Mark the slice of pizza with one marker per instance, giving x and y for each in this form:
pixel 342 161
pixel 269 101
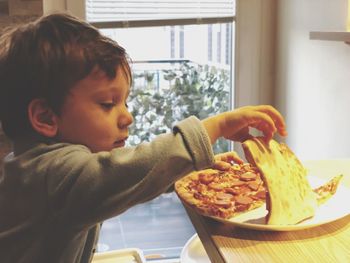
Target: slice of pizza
pixel 326 191
pixel 290 198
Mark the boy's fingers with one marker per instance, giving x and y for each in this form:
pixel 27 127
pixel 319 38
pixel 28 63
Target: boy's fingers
pixel 229 157
pixel 264 123
pixel 234 157
pixel 276 117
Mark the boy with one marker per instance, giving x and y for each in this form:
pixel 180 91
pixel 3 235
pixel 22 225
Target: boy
pixel 63 103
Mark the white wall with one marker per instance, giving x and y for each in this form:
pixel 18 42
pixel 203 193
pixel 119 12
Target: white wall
pixel 313 78
pixel 254 48
pixel 254 71
pixel 75 7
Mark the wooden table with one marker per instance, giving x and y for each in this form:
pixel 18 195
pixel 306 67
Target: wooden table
pixel 326 243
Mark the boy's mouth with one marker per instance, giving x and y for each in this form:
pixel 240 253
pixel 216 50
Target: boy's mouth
pixel 120 143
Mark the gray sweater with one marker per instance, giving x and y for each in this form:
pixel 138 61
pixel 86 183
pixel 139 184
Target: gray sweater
pixel 53 196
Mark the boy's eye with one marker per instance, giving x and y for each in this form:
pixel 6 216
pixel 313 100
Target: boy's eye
pixel 126 105
pixel 107 105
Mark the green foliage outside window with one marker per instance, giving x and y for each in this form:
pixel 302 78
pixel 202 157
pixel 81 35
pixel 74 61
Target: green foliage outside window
pixel 190 89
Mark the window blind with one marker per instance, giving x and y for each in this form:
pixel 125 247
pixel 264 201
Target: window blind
pixel 129 13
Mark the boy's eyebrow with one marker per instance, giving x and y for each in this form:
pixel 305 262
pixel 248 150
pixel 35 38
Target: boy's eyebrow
pixel 111 89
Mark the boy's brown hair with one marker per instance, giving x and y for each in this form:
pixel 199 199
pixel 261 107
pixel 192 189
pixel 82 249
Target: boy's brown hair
pixel 44 59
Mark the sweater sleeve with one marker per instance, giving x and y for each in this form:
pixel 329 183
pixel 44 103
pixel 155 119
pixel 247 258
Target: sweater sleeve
pixel 196 141
pixel 85 188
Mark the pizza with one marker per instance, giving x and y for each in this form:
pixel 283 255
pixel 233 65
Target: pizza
pixel 223 191
pixel 290 198
pixel 326 191
pixel 273 176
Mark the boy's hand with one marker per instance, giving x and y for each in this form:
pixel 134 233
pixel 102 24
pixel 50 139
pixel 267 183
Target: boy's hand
pixel 228 157
pixel 223 161
pixel 234 125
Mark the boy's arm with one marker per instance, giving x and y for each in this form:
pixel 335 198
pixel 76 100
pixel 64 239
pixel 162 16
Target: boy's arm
pixel 87 188
pixel 103 185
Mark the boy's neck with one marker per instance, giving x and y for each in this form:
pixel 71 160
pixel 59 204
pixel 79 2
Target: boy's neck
pixel 24 144
pixel 20 146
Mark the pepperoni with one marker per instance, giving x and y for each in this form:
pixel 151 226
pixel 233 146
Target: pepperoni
pixel 253 185
pixel 223 203
pixel 237 183
pixel 244 190
pixel 240 208
pixel 232 191
pixel 224 196
pixel 206 178
pixel 197 195
pixel 201 188
pixel 261 194
pixel 237 190
pixel 216 186
pixel 248 176
pixel 243 200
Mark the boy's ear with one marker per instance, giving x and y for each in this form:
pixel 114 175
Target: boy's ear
pixel 42 118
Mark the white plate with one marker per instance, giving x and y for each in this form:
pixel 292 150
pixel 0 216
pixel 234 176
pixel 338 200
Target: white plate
pixel 193 251
pixel 127 255
pixel 334 209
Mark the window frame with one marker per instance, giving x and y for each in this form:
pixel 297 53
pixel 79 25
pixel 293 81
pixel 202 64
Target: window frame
pixel 79 6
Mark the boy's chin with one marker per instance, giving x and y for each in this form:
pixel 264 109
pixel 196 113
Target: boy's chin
pixel 96 149
pixel 119 144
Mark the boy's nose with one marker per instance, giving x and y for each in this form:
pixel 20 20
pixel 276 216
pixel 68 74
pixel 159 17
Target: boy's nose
pixel 125 120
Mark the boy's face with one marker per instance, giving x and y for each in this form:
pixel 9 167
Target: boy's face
pixel 95 112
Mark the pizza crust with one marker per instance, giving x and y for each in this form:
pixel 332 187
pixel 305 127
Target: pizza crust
pixel 290 198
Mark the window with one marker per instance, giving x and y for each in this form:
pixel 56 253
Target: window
pixel 182 65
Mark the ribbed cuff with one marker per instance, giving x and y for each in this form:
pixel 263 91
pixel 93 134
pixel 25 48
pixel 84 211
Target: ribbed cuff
pixel 197 142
